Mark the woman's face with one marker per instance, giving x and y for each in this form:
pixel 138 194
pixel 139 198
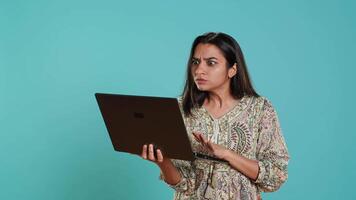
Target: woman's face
pixel 208 68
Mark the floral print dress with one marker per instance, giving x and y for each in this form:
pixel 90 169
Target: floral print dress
pixel 251 129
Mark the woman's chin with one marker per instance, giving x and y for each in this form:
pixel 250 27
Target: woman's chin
pixel 202 89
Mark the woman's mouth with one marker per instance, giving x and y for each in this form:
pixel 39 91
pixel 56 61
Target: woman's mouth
pixel 200 81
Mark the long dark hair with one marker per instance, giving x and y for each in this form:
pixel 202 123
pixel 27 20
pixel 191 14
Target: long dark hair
pixel 240 84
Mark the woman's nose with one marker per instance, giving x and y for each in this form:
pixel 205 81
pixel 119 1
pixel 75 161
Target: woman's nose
pixel 199 69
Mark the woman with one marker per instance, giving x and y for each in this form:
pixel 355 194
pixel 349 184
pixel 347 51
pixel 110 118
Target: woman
pixel 225 118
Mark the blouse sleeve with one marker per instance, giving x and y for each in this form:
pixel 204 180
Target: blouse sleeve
pixel 272 153
pixel 187 182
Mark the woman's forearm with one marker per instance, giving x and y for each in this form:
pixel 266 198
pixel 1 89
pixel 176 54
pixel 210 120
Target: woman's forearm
pixel 170 172
pixel 246 166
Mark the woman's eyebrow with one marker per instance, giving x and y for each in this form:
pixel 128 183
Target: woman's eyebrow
pixel 210 58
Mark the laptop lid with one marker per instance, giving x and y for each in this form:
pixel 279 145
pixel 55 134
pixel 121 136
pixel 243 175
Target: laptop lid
pixel 133 121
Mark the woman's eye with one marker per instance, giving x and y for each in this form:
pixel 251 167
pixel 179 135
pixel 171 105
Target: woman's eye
pixel 195 62
pixel 211 63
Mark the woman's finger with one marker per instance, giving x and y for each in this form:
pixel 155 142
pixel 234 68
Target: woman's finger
pixel 144 152
pixel 202 138
pixel 196 136
pixel 159 156
pixel 150 153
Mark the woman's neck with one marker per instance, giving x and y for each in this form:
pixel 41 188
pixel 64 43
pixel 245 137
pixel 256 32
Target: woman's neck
pixel 220 101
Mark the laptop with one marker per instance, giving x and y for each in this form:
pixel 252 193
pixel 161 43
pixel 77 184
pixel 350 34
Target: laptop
pixel 132 121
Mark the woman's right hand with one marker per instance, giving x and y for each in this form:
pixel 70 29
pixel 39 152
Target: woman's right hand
pixel 148 154
pixel 170 172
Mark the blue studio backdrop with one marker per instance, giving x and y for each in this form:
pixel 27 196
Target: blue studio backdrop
pixel 54 55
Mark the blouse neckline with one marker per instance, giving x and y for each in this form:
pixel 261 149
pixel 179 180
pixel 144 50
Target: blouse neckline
pixel 235 107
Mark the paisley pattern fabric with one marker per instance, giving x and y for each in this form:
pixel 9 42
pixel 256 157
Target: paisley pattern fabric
pixel 251 129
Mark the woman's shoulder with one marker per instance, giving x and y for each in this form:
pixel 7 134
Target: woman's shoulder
pixel 266 106
pixel 180 101
pixel 256 100
pixel 260 102
pixel 180 98
pixel 194 111
pixel 260 99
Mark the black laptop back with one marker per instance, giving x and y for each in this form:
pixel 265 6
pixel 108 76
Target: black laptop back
pixel 133 121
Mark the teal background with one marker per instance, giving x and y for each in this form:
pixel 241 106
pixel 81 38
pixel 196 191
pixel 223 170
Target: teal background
pixel 54 55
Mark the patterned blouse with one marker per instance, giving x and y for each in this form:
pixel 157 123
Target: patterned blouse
pixel 251 129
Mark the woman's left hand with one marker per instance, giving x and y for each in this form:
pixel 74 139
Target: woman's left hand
pixel 215 149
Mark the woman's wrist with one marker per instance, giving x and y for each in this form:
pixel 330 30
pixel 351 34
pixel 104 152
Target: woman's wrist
pixel 229 154
pixel 170 172
pixel 164 163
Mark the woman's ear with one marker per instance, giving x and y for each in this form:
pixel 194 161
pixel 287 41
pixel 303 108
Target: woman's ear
pixel 232 71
